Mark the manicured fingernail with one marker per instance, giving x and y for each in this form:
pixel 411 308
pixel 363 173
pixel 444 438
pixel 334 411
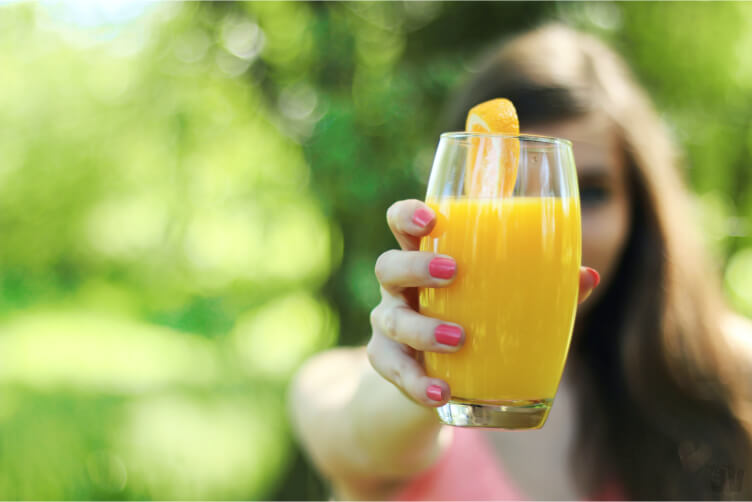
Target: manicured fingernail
pixel 595 276
pixel 448 334
pixel 434 393
pixel 442 268
pixel 422 216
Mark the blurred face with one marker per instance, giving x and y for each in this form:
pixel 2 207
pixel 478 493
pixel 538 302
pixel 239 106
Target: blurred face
pixel 602 177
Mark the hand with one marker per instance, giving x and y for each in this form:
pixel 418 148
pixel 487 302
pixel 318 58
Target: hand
pixel 400 333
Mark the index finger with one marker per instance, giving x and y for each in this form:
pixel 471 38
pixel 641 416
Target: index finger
pixel 409 220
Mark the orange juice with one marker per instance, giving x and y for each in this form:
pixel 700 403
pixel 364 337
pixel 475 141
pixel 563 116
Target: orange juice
pixel 515 294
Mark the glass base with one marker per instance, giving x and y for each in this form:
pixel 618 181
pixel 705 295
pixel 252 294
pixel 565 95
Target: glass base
pixel 518 414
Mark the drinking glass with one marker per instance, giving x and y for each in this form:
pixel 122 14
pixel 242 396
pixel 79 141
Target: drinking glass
pixel 508 212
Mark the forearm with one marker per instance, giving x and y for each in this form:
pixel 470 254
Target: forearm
pixel 360 431
pixel 399 436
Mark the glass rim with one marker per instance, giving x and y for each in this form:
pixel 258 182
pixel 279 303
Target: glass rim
pixel 523 137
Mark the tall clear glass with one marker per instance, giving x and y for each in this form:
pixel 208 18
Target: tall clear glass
pixel 508 212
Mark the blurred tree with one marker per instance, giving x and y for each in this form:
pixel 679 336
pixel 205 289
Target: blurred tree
pixel 162 252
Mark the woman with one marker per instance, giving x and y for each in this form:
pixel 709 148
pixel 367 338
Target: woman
pixel 656 398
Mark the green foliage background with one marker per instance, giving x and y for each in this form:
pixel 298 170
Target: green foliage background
pixel 192 198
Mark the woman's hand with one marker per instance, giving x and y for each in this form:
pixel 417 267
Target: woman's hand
pixel 400 333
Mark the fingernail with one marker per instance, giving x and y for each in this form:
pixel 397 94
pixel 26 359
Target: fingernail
pixel 422 216
pixel 434 393
pixel 595 276
pixel 442 268
pixel 448 334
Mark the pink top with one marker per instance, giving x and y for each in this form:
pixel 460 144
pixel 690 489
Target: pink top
pixel 468 470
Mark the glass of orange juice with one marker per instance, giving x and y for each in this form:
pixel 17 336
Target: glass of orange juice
pixel 508 212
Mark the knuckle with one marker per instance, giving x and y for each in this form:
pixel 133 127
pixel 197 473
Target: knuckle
pixel 382 263
pixel 374 316
pixel 388 322
pixel 391 213
pixel 395 374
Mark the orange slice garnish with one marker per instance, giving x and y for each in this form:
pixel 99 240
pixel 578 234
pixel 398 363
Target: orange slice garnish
pixel 491 169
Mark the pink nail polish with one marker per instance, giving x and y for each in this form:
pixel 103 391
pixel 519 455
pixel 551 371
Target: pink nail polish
pixel 448 334
pixel 434 393
pixel 442 268
pixel 595 275
pixel 422 216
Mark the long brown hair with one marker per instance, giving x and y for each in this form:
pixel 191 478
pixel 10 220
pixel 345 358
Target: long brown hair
pixel 664 404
